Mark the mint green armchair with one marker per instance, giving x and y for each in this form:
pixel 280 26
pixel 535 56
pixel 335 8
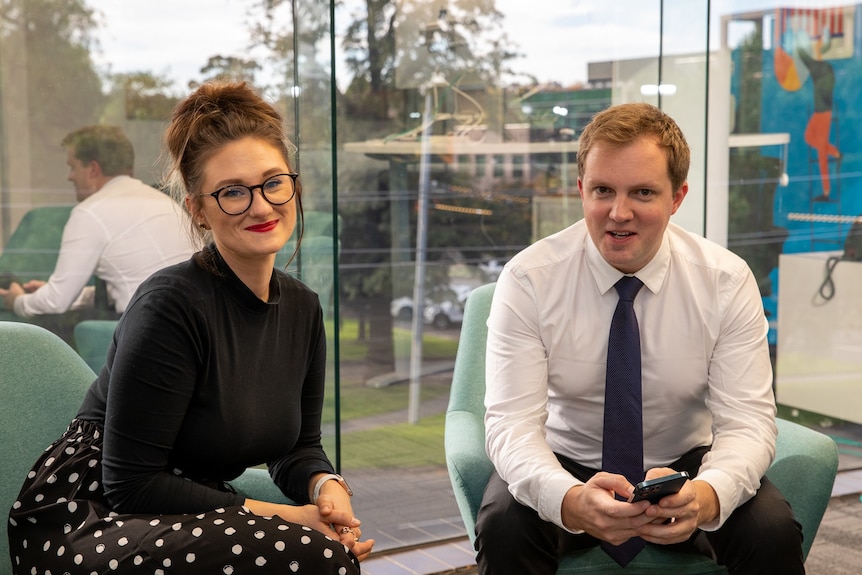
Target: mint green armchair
pixel 801 452
pixel 42 384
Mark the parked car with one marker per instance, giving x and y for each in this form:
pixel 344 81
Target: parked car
pixel 440 314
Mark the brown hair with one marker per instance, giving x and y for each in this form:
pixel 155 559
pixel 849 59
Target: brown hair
pixel 216 114
pixel 622 124
pixel 106 145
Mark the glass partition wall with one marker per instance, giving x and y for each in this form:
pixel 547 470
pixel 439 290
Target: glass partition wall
pixel 437 138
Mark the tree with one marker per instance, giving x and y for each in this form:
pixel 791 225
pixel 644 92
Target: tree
pixel 49 79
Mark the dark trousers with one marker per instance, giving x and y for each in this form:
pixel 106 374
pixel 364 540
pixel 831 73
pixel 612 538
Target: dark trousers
pixel 760 536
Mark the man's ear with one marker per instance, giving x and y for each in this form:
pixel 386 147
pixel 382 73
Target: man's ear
pixel 94 169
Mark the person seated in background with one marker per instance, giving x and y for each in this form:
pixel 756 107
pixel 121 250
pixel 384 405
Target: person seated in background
pixel 582 406
pixel 121 231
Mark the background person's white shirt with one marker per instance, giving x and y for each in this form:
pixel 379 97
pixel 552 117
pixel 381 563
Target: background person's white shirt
pixel 706 373
pixel 122 234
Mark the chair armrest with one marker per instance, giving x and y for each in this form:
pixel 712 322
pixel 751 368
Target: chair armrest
pixel 256 483
pixel 804 469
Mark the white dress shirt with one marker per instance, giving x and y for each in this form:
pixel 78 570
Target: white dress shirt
pixel 706 373
pixel 122 234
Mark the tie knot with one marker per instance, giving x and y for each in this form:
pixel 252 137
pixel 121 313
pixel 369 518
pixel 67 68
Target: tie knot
pixel 628 287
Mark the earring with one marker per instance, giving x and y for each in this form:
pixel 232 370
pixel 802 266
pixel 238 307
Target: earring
pixel 203 226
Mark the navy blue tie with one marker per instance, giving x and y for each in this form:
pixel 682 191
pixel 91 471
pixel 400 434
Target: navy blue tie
pixel 622 441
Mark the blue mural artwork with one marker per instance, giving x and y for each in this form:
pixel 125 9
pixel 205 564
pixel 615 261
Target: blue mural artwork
pixel 811 89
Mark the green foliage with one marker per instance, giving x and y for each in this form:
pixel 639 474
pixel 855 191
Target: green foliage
pixel 49 78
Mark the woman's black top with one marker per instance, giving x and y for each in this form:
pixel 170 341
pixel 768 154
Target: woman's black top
pixel 202 380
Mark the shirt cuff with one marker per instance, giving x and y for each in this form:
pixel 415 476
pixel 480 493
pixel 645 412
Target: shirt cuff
pixel 727 492
pixel 18 306
pixel 551 496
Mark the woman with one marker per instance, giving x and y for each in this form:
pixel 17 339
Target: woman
pixel 216 365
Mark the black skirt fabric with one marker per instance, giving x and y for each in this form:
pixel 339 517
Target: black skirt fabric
pixel 61 523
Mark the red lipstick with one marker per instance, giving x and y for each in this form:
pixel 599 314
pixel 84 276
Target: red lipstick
pixel 265 227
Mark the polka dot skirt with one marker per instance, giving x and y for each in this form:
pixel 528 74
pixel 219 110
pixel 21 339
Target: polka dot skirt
pixel 61 524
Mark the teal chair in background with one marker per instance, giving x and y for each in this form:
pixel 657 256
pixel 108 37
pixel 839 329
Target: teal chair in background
pixel 801 453
pixel 92 339
pixel 42 384
pixel 32 250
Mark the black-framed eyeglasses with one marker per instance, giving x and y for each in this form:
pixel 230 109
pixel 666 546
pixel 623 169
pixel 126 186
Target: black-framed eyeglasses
pixel 236 199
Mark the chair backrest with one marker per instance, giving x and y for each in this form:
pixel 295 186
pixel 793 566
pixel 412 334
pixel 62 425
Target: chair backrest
pixel 464 438
pixel 42 384
pixel 92 339
pixel 33 248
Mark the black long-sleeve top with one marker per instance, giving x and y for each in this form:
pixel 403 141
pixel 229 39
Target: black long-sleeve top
pixel 202 380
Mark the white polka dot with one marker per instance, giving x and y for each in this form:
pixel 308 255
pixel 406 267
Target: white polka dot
pixel 160 542
pixel 16 505
pixel 251 521
pixel 154 522
pixel 259 534
pixel 49 462
pixel 327 553
pixel 176 526
pixel 280 546
pixel 67 528
pixel 197 532
pixel 39 498
pixel 92 463
pixel 60 551
pixel 78 559
pixel 201 516
pixel 73 478
pixel 72 507
pixel 237 549
pixel 227 570
pixel 220 510
pixel 229 531
pixel 167 562
pixel 70 450
pixel 46 546
pixel 113 564
pixel 138 560
pixel 283 527
pixel 61 500
pixel 158 572
pixel 190 557
pixel 123 541
pixel 97 533
pixel 93 486
pixel 306 528
pixel 294 566
pixel 31 475
pixel 118 523
pixel 100 548
pixel 305 539
pixel 342 571
pixel 260 561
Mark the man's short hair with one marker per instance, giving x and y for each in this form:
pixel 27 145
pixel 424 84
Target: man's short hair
pixel 624 123
pixel 107 145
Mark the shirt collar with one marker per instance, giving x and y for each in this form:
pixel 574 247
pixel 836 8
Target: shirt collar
pixel 652 275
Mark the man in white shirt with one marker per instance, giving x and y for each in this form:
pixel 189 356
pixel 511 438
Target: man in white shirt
pixel 706 380
pixel 121 231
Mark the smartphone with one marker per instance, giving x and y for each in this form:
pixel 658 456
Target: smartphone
pixel 6 279
pixel 654 489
